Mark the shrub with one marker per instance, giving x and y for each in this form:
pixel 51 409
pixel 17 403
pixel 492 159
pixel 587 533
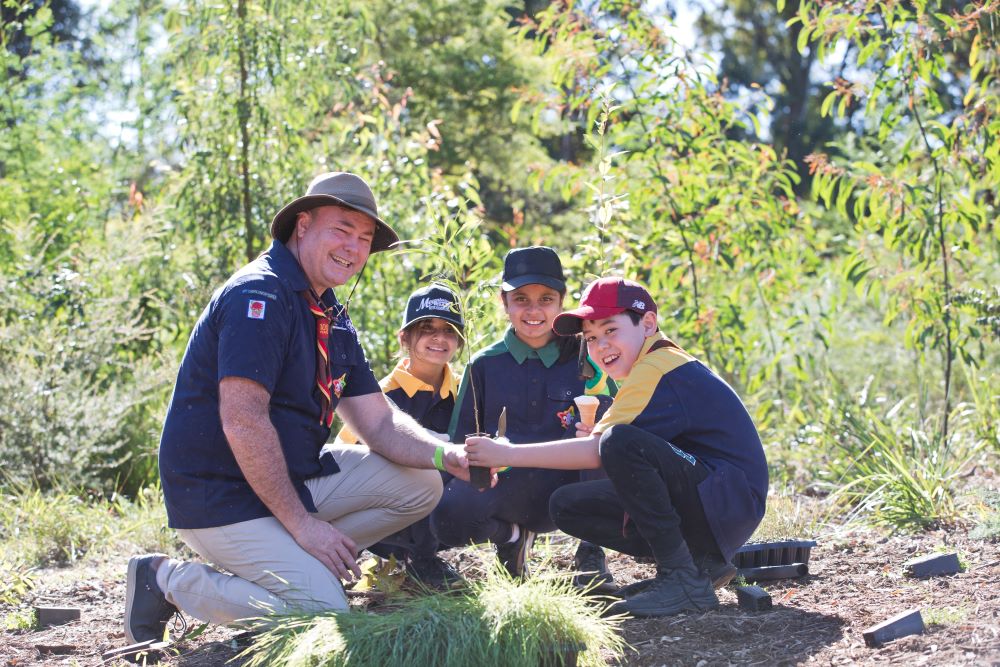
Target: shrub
pixel 79 380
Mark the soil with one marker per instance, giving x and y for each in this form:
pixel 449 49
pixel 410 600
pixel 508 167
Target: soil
pixel 855 580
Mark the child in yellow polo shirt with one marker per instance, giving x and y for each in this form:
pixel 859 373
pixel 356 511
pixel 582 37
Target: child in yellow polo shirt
pixel 423 386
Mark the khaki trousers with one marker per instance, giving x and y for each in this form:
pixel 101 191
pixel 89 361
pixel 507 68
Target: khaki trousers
pixel 268 572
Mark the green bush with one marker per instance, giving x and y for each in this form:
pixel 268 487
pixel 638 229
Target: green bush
pixel 80 380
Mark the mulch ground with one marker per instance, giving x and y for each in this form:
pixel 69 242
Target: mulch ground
pixel 855 580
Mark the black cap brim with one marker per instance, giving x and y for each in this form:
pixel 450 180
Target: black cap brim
pixel 534 279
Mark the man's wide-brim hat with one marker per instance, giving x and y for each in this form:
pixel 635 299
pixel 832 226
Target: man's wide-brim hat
pixel 335 188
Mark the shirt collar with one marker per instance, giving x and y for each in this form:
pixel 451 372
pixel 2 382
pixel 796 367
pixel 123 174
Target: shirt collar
pixel 288 269
pixel 646 344
pixel 411 384
pixel 521 351
pixel 650 341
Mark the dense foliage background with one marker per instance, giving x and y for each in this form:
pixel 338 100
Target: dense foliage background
pixel 809 189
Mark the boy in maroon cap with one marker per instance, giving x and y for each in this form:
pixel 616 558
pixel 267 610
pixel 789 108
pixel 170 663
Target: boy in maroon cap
pixel 687 476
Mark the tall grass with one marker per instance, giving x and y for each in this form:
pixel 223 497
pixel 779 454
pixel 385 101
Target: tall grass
pixel 896 470
pixel 45 528
pixel 497 622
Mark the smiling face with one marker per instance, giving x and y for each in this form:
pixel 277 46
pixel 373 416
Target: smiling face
pixel 430 344
pixel 531 309
pixel 615 343
pixel 331 244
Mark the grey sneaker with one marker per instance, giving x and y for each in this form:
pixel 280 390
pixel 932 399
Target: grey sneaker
pixel 670 592
pixel 592 570
pixel 146 608
pixel 514 555
pixel 434 572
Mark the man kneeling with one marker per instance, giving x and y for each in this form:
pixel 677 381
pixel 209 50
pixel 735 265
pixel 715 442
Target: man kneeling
pixel 246 483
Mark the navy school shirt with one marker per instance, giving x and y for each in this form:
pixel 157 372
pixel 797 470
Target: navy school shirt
pixel 535 386
pixel 257 326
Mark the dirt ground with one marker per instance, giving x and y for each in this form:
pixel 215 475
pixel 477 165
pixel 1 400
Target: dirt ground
pixel 855 580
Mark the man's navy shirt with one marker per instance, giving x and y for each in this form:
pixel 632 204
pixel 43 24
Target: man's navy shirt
pixel 257 326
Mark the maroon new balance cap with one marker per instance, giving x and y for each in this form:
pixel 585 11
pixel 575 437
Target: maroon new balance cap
pixel 604 298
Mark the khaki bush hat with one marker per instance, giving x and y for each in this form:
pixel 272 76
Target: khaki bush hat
pixel 335 188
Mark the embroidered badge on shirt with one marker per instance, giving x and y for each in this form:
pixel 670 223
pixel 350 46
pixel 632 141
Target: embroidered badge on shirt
pixel 567 417
pixel 255 311
pixel 339 385
pixel 343 322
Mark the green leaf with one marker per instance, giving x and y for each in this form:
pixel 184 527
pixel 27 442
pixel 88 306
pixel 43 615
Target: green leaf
pixel 803 41
pixel 867 50
pixel 828 101
pixel 515 110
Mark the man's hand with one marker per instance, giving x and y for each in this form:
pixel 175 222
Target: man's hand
pixel 487 452
pixel 243 407
pixel 329 546
pixel 456 462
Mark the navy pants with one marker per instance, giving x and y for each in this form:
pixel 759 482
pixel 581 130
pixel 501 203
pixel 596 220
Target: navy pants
pixel 466 515
pixel 652 482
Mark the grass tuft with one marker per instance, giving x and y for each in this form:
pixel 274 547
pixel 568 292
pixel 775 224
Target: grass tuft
pixel 897 474
pixel 16 580
pixel 498 621
pixel 988 527
pixel 788 518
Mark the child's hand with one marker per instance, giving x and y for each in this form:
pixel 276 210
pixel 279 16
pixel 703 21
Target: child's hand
pixel 583 431
pixel 487 452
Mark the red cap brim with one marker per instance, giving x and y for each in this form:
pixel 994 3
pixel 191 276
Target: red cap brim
pixel 570 323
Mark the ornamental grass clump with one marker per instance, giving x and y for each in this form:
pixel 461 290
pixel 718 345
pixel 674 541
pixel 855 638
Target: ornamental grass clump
pixel 498 621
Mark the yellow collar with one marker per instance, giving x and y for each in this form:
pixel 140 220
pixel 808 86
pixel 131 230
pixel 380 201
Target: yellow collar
pixel 411 384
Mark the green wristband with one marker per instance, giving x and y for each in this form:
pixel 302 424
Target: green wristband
pixel 439 458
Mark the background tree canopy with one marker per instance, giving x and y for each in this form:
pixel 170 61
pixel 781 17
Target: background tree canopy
pixel 810 191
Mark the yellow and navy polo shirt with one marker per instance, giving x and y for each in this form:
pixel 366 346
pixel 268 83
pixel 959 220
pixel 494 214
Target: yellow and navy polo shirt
pixel 674 396
pixel 416 398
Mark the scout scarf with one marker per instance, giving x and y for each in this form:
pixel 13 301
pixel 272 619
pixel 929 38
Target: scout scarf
pixel 324 381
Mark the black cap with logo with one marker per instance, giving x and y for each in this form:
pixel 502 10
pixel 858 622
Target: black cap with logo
pixel 433 301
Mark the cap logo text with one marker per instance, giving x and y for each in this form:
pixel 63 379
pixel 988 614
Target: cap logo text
pixel 638 305
pixel 434 304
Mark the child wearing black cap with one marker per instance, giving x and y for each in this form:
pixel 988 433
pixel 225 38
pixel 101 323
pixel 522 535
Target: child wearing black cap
pixel 534 376
pixel 423 386
pixel 687 477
